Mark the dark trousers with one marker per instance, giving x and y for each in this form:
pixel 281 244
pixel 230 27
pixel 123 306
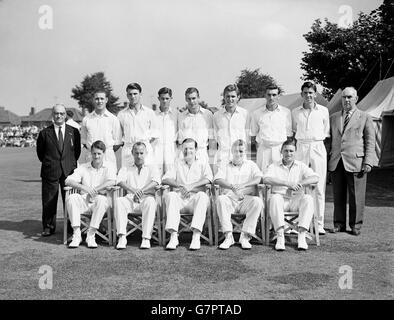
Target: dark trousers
pixel 50 193
pixel 354 183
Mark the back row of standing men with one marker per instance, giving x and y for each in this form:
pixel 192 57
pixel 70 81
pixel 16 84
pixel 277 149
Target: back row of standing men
pixel 164 130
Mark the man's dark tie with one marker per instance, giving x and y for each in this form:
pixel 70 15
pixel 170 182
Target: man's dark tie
pixel 60 139
pixel 347 118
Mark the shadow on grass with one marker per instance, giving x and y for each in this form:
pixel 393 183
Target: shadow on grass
pixel 31 229
pixel 29 180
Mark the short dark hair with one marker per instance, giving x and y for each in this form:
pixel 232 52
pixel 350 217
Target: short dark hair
pixel 70 113
pixel 187 140
pixel 137 144
pixel 231 87
pixel 272 87
pixel 98 145
pixel 289 142
pixel 165 90
pixel 309 84
pixel 100 91
pixel 191 90
pixel 134 86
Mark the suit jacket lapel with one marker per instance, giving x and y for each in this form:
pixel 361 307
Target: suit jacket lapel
pixel 68 135
pixel 52 135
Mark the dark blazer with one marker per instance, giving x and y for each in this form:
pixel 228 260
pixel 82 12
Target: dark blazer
pixel 356 145
pixel 54 161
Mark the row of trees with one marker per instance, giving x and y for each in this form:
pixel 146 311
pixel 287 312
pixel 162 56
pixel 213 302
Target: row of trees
pixel 359 55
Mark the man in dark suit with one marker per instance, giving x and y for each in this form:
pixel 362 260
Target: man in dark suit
pixel 350 159
pixel 58 148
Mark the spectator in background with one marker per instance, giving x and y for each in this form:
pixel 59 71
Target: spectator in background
pixel 70 121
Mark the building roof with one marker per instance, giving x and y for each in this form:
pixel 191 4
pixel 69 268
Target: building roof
pixel 45 115
pixel 9 117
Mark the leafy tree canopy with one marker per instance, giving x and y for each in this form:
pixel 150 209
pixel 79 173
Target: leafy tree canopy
pixel 357 56
pixel 252 83
pixel 84 92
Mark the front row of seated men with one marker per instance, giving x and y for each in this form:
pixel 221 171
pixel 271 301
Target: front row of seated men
pixel 187 179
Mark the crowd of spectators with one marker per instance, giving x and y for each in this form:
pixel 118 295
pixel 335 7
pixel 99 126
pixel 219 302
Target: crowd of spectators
pixel 17 136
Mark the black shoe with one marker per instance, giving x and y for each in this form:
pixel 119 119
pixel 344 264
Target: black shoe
pixel 355 232
pixel 47 232
pixel 338 229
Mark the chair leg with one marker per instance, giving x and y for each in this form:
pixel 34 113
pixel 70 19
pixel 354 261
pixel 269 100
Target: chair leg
pixel 65 220
pixel 158 223
pixel 316 231
pixel 109 226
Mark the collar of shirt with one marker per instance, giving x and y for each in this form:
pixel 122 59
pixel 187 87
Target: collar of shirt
pixel 63 127
pixel 236 110
pixel 295 164
pixel 201 110
pixel 313 108
pixel 169 111
pixel 104 114
pixel 350 112
pixel 105 165
pixel 277 109
pixel 131 110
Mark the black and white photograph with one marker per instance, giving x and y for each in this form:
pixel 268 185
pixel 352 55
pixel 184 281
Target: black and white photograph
pixel 195 157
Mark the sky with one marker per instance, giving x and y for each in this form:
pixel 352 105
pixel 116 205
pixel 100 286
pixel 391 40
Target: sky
pixel 157 43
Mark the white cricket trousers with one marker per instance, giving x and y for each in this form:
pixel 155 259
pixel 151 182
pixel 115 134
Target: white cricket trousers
pixel 251 206
pixel 77 204
pixel 314 154
pixel 267 155
pixel 125 205
pixel 197 203
pixel 303 203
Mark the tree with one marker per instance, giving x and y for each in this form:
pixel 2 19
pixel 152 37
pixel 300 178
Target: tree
pixel 357 56
pixel 85 91
pixel 252 83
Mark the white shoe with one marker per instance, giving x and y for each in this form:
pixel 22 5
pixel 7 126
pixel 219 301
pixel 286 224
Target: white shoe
pixel 173 242
pixel 122 243
pixel 195 244
pixel 227 243
pixel 76 240
pixel 302 245
pixel 91 241
pixel 280 242
pixel 145 244
pixel 244 241
pixel 321 230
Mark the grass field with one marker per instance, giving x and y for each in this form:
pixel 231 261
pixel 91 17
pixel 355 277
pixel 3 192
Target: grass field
pixel 261 273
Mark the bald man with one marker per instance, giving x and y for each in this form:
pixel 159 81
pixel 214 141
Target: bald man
pixel 58 149
pixel 350 159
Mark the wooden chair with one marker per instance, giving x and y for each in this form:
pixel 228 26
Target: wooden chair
pixel 237 218
pixel 185 220
pixel 134 219
pixel 105 230
pixel 291 225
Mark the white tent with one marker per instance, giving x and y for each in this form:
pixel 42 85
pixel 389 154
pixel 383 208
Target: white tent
pixel 335 103
pixel 379 103
pixel 290 101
